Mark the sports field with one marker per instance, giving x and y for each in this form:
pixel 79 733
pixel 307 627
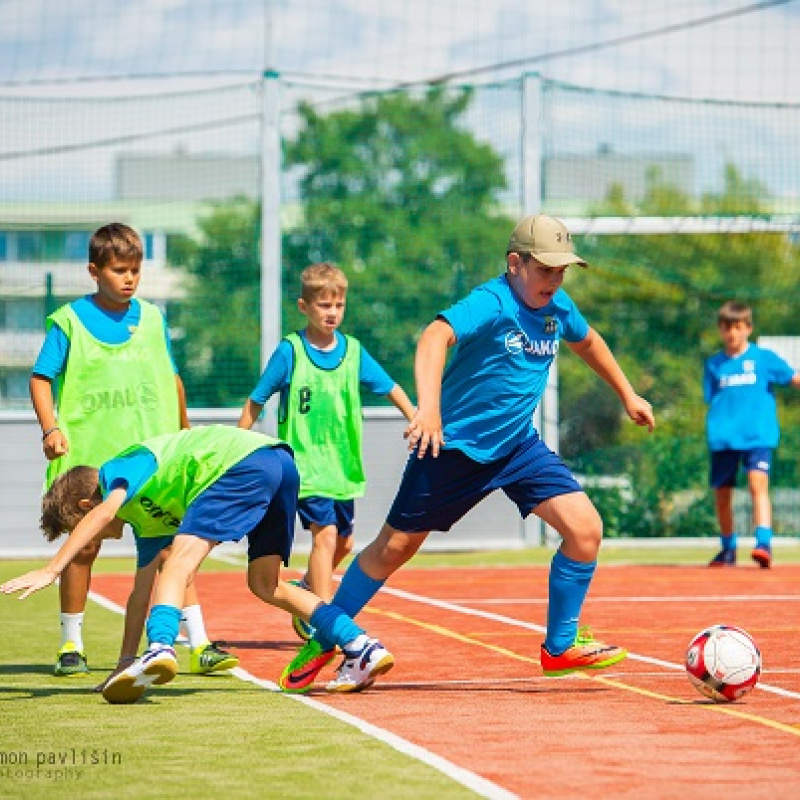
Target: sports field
pixel 465 712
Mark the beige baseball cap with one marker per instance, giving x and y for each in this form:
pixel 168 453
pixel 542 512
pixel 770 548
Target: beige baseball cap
pixel 546 239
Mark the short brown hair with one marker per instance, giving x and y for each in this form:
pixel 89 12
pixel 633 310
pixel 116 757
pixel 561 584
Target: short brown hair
pixel 322 278
pixel 61 510
pixel 115 241
pixel 734 311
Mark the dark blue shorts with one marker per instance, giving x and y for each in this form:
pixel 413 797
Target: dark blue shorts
pixel 324 511
pixel 148 547
pixel 725 464
pixel 256 498
pixel 436 492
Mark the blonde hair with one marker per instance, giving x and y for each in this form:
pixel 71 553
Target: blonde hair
pixel 115 241
pixel 61 510
pixel 733 311
pixel 322 278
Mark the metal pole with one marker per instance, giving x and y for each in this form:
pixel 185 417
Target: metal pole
pixel 532 529
pixel 271 324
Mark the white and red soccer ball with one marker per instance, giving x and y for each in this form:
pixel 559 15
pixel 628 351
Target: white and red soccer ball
pixel 723 663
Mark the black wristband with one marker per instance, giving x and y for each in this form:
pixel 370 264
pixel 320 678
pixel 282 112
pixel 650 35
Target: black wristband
pixel 49 431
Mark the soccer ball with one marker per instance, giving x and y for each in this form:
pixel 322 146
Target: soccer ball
pixel 723 663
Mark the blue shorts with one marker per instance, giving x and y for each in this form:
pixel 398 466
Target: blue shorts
pixel 148 547
pixel 436 492
pixel 257 498
pixel 725 464
pixel 324 511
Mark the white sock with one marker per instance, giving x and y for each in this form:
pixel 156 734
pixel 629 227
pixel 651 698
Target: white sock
pixel 71 630
pixel 192 619
pixel 358 644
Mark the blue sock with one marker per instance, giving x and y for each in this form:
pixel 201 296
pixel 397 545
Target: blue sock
pixel 163 624
pixel 763 537
pixel 728 542
pixel 354 592
pixel 332 626
pixel 568 584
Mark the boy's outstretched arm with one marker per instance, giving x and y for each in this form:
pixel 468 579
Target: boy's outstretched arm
pixel 425 428
pixel 92 526
pixel 401 401
pixel 595 352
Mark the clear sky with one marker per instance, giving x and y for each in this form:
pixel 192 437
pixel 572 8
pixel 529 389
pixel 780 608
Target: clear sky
pixel 730 49
pixel 82 81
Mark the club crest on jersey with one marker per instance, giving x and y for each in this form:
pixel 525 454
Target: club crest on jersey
pixel 550 325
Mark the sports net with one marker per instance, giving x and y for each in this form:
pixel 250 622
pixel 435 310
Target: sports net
pixel 678 204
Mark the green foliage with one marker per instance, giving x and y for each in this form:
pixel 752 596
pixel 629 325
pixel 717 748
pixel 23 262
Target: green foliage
pixel 403 199
pixel 655 300
pixel 218 352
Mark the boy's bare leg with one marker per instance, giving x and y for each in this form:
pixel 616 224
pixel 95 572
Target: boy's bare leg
pixel 321 560
pixel 723 505
pixel 723 501
pixel 758 483
pixel 390 549
pixel 73 592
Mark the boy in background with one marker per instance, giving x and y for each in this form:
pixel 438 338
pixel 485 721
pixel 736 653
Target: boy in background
pixel 473 434
pixel 106 368
pixel 210 484
pixel 742 427
pixel 319 373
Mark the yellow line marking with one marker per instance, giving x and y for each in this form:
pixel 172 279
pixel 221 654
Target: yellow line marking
pixel 715 707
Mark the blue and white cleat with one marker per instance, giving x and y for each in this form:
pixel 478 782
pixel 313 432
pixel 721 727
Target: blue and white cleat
pixel 157 665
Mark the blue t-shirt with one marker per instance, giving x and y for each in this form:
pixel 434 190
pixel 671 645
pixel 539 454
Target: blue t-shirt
pixel 110 327
pixel 742 413
pixel 277 374
pixel 132 471
pixel 498 370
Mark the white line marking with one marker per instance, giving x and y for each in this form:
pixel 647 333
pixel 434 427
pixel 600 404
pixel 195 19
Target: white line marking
pixel 481 786
pixel 728 598
pixel 476 783
pixel 531 626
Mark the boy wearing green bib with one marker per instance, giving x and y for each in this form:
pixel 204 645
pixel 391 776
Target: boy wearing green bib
pixel 107 368
pixel 190 491
pixel 319 373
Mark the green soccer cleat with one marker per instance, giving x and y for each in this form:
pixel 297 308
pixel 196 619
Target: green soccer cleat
pixel 210 658
pixel 586 653
pixel 70 662
pixel 305 666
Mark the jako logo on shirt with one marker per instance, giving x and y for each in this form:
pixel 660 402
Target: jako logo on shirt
pixel 156 512
pixel 143 395
pixel 517 342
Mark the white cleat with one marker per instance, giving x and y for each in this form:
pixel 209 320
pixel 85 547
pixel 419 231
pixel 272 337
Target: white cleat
pixel 359 669
pixel 157 665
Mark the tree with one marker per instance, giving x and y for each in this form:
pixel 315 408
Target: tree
pixel 395 191
pixel 655 299
pixel 404 199
pixel 218 351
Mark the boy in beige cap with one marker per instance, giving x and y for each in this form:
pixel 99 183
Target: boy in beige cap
pixel 473 433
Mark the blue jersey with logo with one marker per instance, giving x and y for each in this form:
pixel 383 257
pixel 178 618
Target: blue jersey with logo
pixel 499 366
pixel 742 414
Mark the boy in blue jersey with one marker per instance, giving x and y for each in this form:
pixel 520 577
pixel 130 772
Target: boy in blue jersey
pixel 190 490
pixel 742 427
pixel 106 367
pixel 319 373
pixel 473 434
